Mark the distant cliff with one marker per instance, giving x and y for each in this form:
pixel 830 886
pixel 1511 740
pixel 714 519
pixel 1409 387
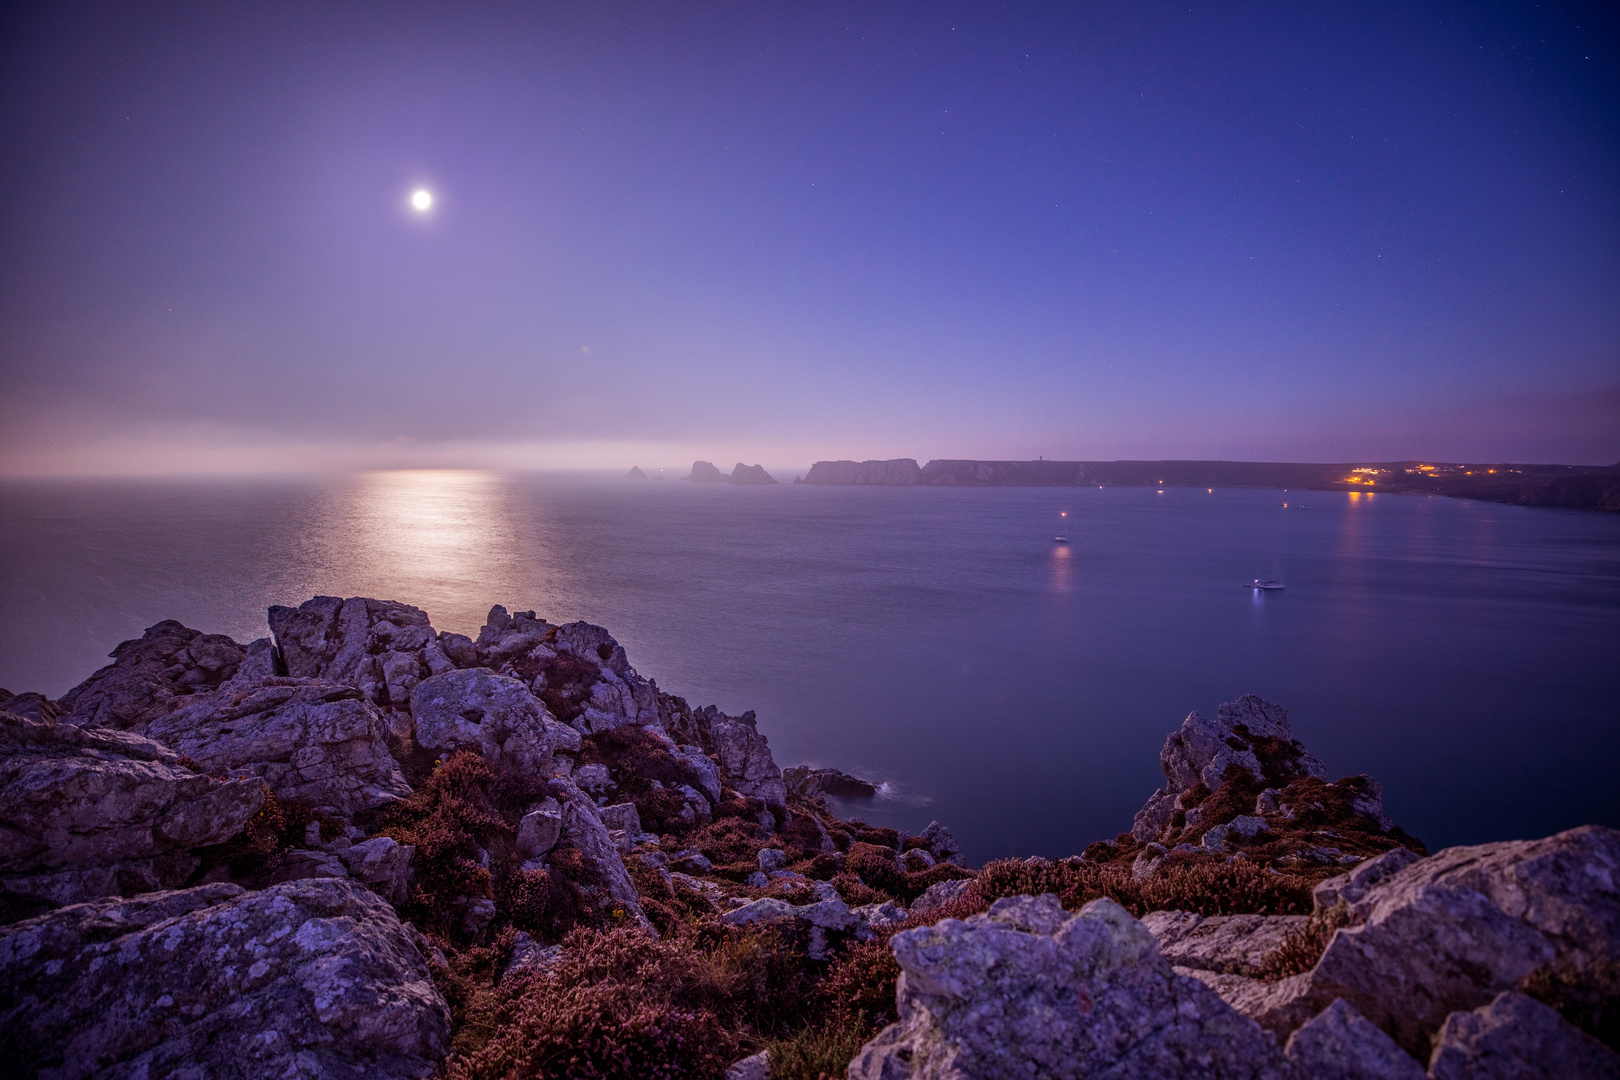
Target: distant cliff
pixel 1574 486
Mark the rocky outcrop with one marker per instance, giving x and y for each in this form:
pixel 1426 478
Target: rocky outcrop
pixel 492 715
pixel 750 474
pixel 704 472
pixel 1340 1044
pixel 30 706
pixel 581 827
pixel 380 647
pixel 1242 782
pixel 152 675
pixel 309 978
pixel 90 812
pixel 309 740
pixel 896 472
pixel 1031 990
pixel 745 757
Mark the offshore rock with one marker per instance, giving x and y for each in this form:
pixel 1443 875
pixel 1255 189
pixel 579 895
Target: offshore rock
pixel 704 472
pixel 88 812
pixel 311 741
pixel 808 782
pixel 894 472
pixel 1030 990
pixel 309 978
pixel 152 675
pixel 1339 1044
pixel 1518 1038
pixel 475 709
pixel 750 474
pixel 380 647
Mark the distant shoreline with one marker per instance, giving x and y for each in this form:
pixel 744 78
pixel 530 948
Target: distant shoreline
pixel 1572 486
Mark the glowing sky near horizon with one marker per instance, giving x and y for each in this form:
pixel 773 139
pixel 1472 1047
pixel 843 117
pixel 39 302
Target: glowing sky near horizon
pixel 784 232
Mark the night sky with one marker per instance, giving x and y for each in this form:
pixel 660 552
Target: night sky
pixel 782 232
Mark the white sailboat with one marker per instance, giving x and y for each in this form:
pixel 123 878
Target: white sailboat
pixel 1062 537
pixel 1274 582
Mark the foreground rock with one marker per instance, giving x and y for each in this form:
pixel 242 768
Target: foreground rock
pixel 309 740
pixel 1030 990
pixel 313 978
pixel 1516 1038
pixel 1449 933
pixel 380 647
pixel 492 715
pixel 90 812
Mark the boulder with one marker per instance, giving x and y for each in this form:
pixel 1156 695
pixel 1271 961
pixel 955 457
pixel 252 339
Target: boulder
pixel 308 978
pixel 89 812
pixel 1351 888
pixel 152 675
pixel 1029 990
pixel 492 715
pixel 1518 1038
pixel 754 1067
pixel 309 740
pixel 942 843
pixel 622 817
pixel 938 895
pixel 540 829
pixel 383 863
pixel 380 647
pixel 821 918
pixel 1230 944
pixel 1339 1044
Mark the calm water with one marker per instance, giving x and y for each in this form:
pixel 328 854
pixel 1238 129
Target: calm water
pixel 1464 653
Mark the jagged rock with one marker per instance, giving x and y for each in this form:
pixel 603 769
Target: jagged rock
pixel 300 863
pixel 704 472
pixel 1243 825
pixel 311 741
pixel 694 861
pixel 1231 944
pixel 384 864
pixel 808 782
pixel 938 895
pixel 152 675
pixel 380 647
pixel 1154 817
pixel 88 812
pixel 750 474
pixel 528 955
pixel 506 637
pixel 1518 1038
pixel 623 817
pixel 593 778
pixel 772 859
pixel 942 843
pixel 31 706
pixel 475 709
pixel 703 769
pixel 1148 861
pixel 540 829
pixel 871 918
pixel 754 1067
pixel 1353 887
pixel 745 757
pixel 309 978
pixel 582 827
pixel 1204 749
pixel 1339 1044
pixel 1451 931
pixel 458 648
pixel 1029 990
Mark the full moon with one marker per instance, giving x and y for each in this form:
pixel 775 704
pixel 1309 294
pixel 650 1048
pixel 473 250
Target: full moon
pixel 422 199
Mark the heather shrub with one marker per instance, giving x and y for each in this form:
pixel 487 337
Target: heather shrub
pixel 277 825
pixel 1302 948
pixel 816 1052
pixel 730 840
pixel 800 837
pixel 856 892
pixel 1195 883
pixel 449 818
pixel 877 867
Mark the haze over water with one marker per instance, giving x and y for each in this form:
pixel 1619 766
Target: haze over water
pixel 934 638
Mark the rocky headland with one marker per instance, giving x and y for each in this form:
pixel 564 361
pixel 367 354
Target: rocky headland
pixel 364 847
pixel 705 472
pixel 1571 486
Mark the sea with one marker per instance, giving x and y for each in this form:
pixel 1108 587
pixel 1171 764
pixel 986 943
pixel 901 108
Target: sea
pixel 936 640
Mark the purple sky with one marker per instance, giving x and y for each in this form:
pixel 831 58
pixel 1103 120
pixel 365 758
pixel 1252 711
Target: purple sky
pixel 782 232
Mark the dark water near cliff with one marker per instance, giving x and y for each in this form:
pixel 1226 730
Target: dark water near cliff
pixel 1466 654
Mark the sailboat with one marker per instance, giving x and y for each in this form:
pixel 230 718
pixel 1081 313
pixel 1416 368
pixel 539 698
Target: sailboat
pixel 1275 581
pixel 1062 537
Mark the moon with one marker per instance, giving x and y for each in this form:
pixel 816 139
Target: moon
pixel 422 200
